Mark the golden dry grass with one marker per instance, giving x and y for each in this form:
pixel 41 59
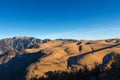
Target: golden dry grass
pixel 58 52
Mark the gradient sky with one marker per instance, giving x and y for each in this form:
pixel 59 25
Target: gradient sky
pixel 76 19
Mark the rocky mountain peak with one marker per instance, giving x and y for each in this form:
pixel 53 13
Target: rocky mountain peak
pixel 18 43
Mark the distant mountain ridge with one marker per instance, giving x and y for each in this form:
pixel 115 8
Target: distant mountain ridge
pixel 22 42
pixel 17 43
pixel 29 58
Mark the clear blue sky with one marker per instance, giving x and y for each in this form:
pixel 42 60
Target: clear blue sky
pixel 79 19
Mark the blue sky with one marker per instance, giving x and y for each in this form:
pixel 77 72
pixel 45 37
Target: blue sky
pixel 76 19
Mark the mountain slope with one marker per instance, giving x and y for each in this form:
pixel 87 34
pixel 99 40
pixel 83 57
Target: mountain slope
pixel 17 43
pixel 66 56
pixel 38 59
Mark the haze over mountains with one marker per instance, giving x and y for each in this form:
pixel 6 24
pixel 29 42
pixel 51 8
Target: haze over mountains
pixel 26 58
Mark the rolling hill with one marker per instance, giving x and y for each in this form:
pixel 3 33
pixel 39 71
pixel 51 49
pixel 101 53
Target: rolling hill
pixel 26 58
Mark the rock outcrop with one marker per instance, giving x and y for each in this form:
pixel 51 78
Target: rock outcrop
pixel 17 43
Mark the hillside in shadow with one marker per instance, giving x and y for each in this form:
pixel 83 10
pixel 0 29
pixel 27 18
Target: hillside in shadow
pixel 16 67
